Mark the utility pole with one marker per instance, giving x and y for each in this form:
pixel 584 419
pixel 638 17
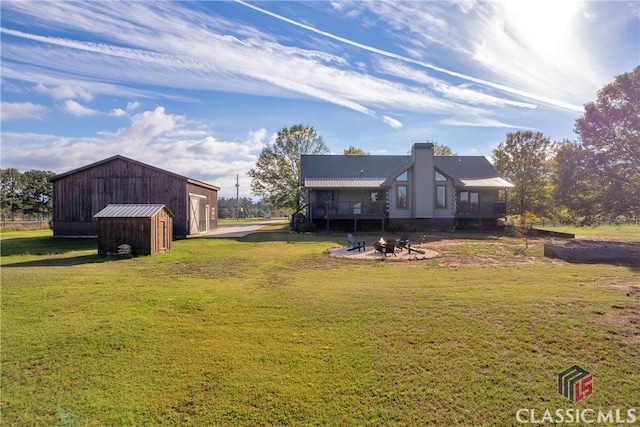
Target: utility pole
pixel 237 198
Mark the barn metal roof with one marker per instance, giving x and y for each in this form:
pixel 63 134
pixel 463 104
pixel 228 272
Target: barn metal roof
pixel 130 211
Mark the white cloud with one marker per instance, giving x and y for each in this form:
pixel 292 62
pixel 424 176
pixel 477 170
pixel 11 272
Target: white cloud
pixel 132 106
pixel 480 122
pixel 118 112
pixel 217 57
pixel 21 110
pixel 74 108
pixel 64 92
pixel 153 137
pixel 490 33
pixel 392 122
pixel 149 124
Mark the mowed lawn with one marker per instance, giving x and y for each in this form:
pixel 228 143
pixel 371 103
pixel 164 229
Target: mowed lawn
pixel 269 330
pixel 622 233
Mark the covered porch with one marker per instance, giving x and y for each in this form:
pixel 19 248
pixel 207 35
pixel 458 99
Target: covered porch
pixel 351 202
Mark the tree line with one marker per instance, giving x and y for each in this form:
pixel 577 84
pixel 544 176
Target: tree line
pixel 245 207
pixel 28 193
pixel 595 178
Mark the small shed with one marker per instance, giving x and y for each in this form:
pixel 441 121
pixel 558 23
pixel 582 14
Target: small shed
pixel 147 228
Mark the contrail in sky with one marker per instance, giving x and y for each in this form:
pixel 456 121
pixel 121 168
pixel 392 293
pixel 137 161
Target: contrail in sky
pixel 543 99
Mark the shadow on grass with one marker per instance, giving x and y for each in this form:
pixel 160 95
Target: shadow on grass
pixel 45 245
pixel 60 262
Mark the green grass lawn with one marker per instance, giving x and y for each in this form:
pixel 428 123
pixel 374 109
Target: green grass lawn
pixel 606 232
pixel 268 330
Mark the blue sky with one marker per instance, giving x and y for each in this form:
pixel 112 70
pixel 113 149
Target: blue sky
pixel 199 88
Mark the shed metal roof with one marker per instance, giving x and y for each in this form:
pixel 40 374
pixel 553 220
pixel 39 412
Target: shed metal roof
pixel 130 211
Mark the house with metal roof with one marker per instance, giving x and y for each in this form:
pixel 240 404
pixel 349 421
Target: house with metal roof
pixel 421 190
pixel 78 195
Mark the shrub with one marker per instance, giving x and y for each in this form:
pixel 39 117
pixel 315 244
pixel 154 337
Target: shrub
pixel 307 227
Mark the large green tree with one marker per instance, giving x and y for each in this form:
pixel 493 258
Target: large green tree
pixel 525 160
pixel 599 176
pixel 276 176
pixel 37 193
pixel 29 192
pixel 11 191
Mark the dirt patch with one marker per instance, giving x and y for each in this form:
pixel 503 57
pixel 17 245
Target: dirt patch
pixel 628 316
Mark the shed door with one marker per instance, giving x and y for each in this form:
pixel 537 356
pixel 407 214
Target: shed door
pixel 163 237
pixel 194 216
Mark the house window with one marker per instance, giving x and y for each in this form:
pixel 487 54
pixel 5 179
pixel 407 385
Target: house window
pixel 323 198
pixel 440 177
pixel 469 202
pixel 375 196
pixel 401 201
pixel 403 177
pixel 441 196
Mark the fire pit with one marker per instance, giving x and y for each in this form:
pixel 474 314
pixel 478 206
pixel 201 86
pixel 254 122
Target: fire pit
pixel 385 247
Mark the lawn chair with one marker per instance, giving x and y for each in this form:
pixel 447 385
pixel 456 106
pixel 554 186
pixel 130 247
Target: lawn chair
pixel 354 243
pixel 404 241
pixel 404 244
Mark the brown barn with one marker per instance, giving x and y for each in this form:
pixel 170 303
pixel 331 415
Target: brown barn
pixel 81 193
pixel 146 228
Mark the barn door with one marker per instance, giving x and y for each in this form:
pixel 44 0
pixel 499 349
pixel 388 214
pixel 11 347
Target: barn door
pixel 206 215
pixel 194 215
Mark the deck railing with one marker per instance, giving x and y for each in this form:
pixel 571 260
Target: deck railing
pixel 348 209
pixel 481 210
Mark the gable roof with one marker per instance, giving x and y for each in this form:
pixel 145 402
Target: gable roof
pixel 471 171
pixel 346 171
pixel 347 166
pixel 131 211
pixel 126 159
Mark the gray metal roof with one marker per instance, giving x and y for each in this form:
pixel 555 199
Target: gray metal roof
pixel 347 171
pixel 497 182
pixel 130 211
pixel 470 167
pixel 348 167
pixel 343 182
